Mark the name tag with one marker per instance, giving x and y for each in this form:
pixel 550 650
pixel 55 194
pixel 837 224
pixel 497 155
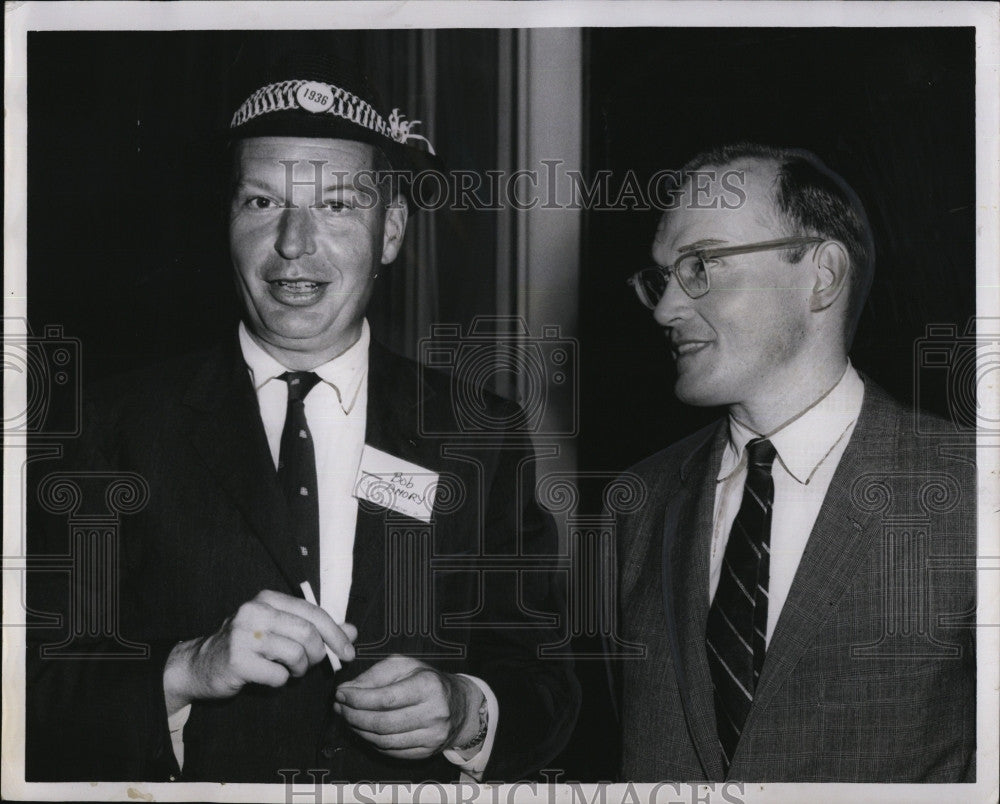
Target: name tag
pixel 391 482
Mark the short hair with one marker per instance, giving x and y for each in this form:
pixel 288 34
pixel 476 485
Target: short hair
pixel 382 167
pixel 812 200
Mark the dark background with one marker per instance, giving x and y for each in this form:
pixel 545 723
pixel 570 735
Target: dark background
pixel 126 225
pixel 126 246
pixel 890 110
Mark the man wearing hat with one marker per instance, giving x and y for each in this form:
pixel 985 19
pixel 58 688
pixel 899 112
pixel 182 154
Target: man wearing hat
pixel 281 572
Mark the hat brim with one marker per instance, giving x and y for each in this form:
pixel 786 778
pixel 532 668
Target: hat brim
pixel 405 160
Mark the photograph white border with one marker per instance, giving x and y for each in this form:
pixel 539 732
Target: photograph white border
pixel 36 16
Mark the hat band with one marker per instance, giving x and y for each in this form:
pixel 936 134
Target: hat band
pixel 317 97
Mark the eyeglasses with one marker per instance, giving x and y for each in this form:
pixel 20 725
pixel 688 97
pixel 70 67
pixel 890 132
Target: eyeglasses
pixel 691 269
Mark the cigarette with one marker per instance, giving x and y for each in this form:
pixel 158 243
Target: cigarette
pixel 307 592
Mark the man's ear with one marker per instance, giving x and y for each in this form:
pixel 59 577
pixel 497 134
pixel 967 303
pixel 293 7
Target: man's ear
pixel 833 271
pixel 396 215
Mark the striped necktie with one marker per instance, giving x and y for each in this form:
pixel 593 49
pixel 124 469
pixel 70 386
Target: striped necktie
pixel 297 473
pixel 737 620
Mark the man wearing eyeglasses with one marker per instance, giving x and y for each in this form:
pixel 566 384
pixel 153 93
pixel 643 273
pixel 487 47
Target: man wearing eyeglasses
pixel 778 575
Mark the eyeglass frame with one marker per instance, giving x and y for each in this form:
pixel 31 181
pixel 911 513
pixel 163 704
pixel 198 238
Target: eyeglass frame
pixel 668 271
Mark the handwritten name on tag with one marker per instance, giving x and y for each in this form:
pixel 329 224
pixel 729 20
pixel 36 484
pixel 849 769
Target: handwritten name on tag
pixel 391 482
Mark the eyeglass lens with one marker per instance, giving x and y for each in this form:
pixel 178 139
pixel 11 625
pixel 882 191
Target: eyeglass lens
pixel 691 274
pixel 651 286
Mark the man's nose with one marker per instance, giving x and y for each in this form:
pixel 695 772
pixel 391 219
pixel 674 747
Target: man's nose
pixel 297 233
pixel 673 305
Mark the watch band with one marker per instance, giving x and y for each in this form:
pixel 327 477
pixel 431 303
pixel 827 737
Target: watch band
pixel 484 727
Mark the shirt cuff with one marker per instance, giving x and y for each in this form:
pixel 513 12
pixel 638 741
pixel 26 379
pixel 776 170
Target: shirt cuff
pixel 176 723
pixel 473 767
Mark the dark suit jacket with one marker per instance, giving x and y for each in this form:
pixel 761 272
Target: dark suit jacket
pixel 212 535
pixel 870 672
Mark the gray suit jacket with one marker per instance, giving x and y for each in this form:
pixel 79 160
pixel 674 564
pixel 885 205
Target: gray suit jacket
pixel 870 673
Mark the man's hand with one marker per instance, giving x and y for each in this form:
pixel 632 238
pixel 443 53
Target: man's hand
pixel 270 639
pixel 409 710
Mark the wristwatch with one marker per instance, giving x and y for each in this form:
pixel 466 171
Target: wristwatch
pixel 484 726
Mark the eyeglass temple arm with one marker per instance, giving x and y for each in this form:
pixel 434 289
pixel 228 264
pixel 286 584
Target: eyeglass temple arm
pixel 725 251
pixel 767 245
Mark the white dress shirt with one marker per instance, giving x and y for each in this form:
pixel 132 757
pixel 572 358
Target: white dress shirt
pixel 336 410
pixel 809 448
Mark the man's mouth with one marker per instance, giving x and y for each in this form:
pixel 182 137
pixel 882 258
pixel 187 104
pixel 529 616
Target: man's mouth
pixel 684 348
pixel 296 292
pixel 296 285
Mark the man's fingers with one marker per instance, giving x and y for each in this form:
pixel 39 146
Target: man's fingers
pixel 334 636
pixel 409 753
pixel 383 673
pixel 398 695
pixel 258 670
pixel 288 652
pixel 268 640
pixel 293 627
pixel 330 632
pixel 419 739
pixel 396 721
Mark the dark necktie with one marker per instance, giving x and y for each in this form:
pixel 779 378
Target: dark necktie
pixel 297 473
pixel 737 619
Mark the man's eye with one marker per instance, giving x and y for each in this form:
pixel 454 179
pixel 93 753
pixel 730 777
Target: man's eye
pixel 337 205
pixel 260 202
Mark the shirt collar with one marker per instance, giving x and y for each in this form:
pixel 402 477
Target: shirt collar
pixel 344 373
pixel 803 443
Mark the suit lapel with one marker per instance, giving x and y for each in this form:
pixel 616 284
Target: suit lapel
pixel 394 387
pixel 226 430
pixel 687 538
pixel 840 540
